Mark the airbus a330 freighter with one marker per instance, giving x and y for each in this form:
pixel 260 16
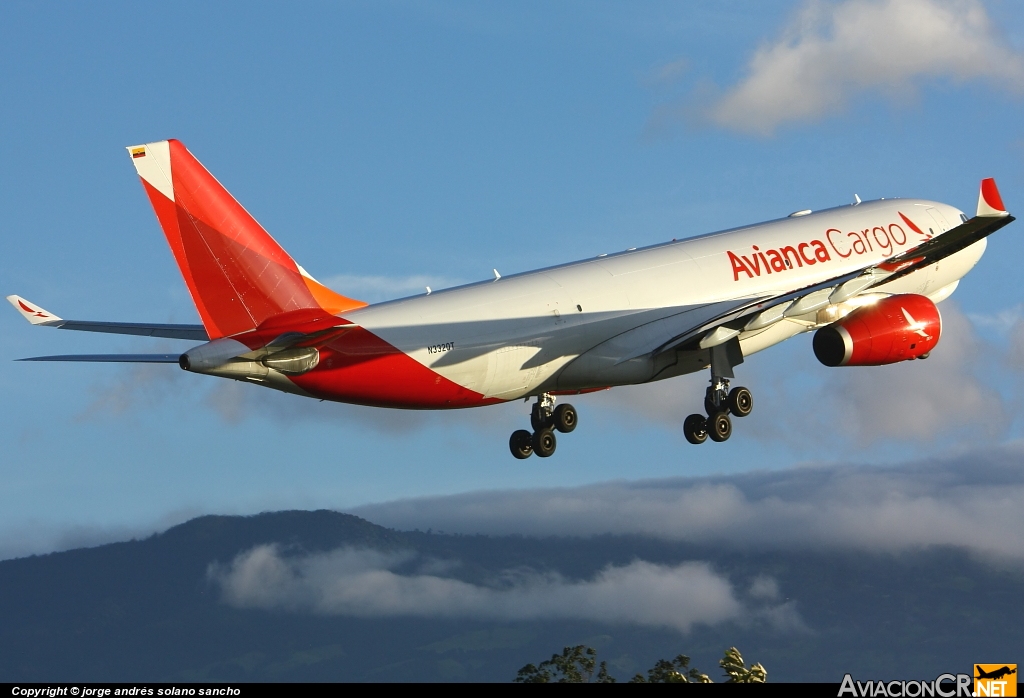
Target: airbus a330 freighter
pixel 865 277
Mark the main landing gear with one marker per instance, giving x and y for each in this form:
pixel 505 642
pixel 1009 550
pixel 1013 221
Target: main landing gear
pixel 545 420
pixel 719 403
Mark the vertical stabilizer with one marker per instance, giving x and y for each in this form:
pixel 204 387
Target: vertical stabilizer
pixel 236 272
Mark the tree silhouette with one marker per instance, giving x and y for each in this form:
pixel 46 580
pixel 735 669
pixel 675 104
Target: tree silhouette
pixel 574 665
pixel 676 670
pixel 737 671
pixel 577 665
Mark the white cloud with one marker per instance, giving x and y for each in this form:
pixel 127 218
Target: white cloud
pixel 973 501
pixel 832 52
pixel 364 583
pixel 1000 321
pixel 1015 355
pixel 764 587
pixel 666 74
pixel 919 400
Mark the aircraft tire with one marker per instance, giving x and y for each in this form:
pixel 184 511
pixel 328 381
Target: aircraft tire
pixel 544 442
pixel 741 402
pixel 565 418
pixel 720 427
pixel 521 444
pixel 695 428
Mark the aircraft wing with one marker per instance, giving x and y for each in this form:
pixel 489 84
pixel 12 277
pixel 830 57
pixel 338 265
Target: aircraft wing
pixel 990 217
pixel 761 312
pixel 755 313
pixel 950 242
pixel 37 316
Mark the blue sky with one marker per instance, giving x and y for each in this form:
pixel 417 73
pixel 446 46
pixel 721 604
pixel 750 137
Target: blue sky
pixel 392 145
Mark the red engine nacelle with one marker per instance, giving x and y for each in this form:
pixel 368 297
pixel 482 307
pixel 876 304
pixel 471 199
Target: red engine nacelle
pixel 894 329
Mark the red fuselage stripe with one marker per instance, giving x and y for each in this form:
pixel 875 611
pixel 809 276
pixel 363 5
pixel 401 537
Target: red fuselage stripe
pixel 361 368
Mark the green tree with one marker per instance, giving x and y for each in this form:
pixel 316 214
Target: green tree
pixel 676 670
pixel 574 665
pixel 577 665
pixel 738 672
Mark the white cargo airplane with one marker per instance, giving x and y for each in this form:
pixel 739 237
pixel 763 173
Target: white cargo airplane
pixel 866 276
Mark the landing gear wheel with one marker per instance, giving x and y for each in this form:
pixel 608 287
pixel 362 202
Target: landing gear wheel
pixel 741 402
pixel 544 442
pixel 521 444
pixel 720 427
pixel 565 418
pixel 695 428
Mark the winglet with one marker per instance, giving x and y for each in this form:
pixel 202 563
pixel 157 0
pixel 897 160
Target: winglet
pixel 990 204
pixel 33 313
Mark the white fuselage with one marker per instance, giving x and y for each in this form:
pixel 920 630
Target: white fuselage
pixel 598 322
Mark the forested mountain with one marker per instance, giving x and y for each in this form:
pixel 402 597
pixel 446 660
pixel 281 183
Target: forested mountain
pixel 161 608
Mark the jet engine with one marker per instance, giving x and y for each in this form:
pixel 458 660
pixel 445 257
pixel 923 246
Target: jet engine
pixel 893 329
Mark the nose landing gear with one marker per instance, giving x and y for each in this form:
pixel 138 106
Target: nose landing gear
pixel 545 419
pixel 719 403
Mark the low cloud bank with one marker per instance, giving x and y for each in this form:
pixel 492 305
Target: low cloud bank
pixel 974 501
pixel 42 538
pixel 365 583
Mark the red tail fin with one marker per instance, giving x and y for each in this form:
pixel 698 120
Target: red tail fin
pixel 238 275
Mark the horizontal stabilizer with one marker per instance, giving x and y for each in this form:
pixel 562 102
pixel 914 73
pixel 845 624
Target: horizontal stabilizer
pixel 141 329
pixel 37 316
pixel 111 358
